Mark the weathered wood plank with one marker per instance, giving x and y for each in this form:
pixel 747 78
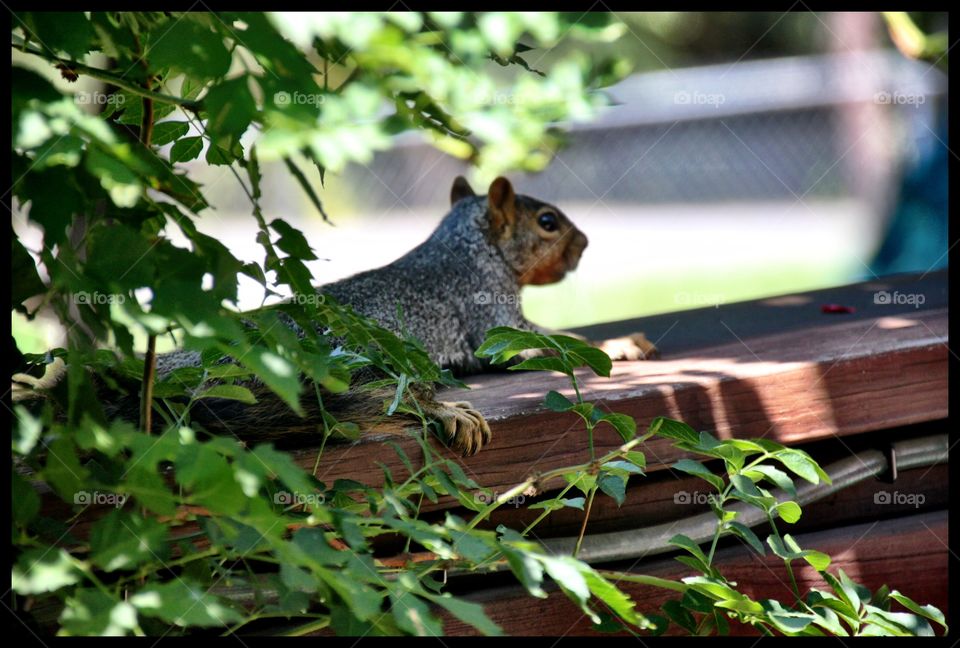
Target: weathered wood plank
pixel 909 554
pixel 834 380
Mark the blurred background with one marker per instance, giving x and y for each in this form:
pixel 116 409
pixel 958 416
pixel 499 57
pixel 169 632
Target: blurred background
pixel 750 154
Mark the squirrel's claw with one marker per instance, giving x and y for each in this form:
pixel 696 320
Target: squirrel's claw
pixel 631 347
pixel 467 430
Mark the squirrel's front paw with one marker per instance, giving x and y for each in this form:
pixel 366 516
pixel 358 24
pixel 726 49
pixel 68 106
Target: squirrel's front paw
pixel 631 347
pixel 466 428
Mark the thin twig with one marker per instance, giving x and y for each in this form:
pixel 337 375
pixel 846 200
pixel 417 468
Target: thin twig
pixel 114 80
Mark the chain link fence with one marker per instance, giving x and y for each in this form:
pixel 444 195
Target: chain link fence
pixel 824 127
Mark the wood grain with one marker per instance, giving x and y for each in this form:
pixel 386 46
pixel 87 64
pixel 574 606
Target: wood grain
pixel 834 380
pixel 909 554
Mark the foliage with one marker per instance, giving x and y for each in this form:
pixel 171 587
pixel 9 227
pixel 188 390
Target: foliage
pixel 751 467
pixel 182 532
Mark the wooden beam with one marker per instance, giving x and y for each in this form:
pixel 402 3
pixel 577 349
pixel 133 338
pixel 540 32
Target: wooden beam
pixel 838 379
pixel 909 554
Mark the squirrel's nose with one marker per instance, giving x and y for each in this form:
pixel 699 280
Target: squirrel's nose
pixel 575 249
pixel 581 239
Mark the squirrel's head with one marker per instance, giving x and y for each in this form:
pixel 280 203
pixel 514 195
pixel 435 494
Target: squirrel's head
pixel 536 239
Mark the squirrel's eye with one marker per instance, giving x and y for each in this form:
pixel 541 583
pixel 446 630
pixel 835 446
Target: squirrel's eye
pixel 548 221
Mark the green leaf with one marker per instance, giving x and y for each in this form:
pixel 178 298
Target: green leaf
pixel 284 468
pixel 573 502
pixel 625 466
pixel 89 612
pixel 307 189
pixel 687 543
pixel 468 612
pixel 229 392
pixel 296 578
pixel 745 485
pixel 828 616
pixel 209 479
pixel 697 469
pixel 230 109
pixel 744 605
pixel 189 46
pixel 557 402
pixel 598 361
pixel 184 603
pixel 26 432
pixel 714 588
pixel 774 476
pixel 124 540
pixel 790 622
pixel 802 464
pixel 60 31
pixel 788 511
pixel 900 624
pixel 614 486
pixel 26 501
pixel 636 458
pixel 186 149
pixel 292 241
pixel 145 484
pixel 504 342
pixel 670 429
pixel 166 132
pixel 748 536
pixel 827 600
pixel 680 615
pixel 614 598
pixel 789 550
pixel 471 547
pixel 120 256
pixel 927 611
pixel 413 615
pixel 567 572
pixel 542 364
pixel 44 569
pixel 625 425
pixel 63 470
pixel 527 569
pixel 278 373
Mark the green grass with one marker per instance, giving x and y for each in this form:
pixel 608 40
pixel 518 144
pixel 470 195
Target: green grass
pixel 569 304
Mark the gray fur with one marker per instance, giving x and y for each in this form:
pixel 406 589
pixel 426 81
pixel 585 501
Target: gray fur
pixel 451 289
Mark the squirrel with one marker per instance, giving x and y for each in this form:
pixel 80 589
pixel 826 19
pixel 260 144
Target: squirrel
pixel 459 283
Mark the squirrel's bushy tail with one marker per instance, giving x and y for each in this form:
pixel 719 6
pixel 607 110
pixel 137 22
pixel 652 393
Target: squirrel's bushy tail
pixel 270 419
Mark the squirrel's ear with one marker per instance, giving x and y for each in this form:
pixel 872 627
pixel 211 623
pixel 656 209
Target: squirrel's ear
pixel 461 189
pixel 502 205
